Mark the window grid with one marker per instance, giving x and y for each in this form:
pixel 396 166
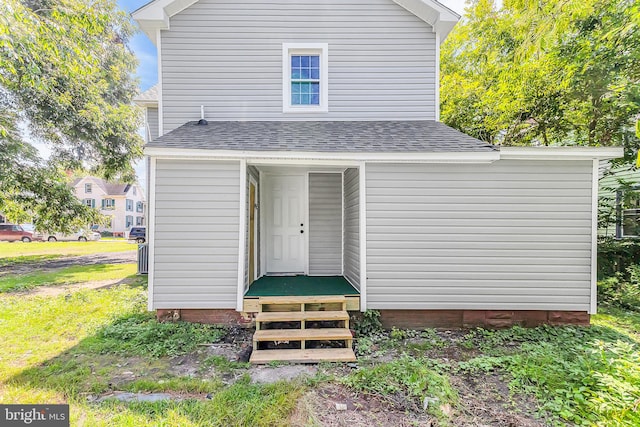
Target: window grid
pixel 305 79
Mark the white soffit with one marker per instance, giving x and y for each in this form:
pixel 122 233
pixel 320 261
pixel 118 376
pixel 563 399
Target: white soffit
pixel 440 17
pixel 155 15
pixel 561 153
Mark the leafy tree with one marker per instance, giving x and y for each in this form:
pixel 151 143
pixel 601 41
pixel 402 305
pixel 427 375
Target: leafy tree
pixel 557 72
pixel 65 80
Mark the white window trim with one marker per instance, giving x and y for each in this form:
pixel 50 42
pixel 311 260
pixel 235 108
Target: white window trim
pixel 321 49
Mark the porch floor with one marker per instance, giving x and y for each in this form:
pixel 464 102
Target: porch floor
pixel 273 286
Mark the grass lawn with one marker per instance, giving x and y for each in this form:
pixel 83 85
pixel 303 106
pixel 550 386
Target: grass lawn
pixel 66 276
pixel 17 252
pixel 62 349
pixel 73 348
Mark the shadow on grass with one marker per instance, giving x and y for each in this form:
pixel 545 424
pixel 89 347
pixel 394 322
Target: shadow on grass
pixel 65 276
pixel 133 352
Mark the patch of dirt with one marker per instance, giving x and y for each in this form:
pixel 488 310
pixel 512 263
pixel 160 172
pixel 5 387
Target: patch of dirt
pixel 318 407
pixel 70 261
pixel 486 401
pixel 51 291
pixel 269 375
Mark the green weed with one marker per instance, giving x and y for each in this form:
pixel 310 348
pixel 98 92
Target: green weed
pixel 368 323
pixel 141 334
pixel 222 364
pixel 406 381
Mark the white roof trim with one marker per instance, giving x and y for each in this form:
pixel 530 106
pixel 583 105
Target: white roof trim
pixel 505 153
pixel 440 17
pixel 560 153
pixel 156 14
pixel 432 157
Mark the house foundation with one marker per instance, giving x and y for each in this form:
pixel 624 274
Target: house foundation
pixel 492 319
pixel 406 319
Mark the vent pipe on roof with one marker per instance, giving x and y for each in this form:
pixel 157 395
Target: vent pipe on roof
pixel 202 121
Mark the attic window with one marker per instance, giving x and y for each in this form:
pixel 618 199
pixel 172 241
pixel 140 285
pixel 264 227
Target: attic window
pixel 87 188
pixel 304 79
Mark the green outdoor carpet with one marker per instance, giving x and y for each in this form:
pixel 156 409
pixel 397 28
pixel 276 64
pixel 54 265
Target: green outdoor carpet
pixel 273 286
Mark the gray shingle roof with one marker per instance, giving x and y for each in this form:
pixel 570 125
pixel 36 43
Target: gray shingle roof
pixel 148 96
pixel 323 136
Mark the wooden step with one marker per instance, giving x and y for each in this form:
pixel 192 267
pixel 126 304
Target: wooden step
pixel 298 316
pixel 326 299
pixel 313 355
pixel 302 334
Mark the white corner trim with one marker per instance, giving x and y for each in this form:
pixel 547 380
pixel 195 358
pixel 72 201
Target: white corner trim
pixel 593 309
pixel 437 77
pixel 362 196
pixel 242 230
pixel 306 220
pixel 560 153
pixel 151 238
pixel 256 261
pixel 321 49
pixel 262 238
pixel 342 223
pixel 160 103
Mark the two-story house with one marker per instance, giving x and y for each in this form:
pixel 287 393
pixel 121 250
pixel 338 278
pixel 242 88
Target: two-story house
pixel 124 204
pixel 297 161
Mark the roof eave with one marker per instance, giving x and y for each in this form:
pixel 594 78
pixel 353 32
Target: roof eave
pixel 561 153
pixel 145 103
pixel 488 156
pixel 156 15
pixel 441 18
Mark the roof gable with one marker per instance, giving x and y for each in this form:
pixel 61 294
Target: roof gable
pixel 156 15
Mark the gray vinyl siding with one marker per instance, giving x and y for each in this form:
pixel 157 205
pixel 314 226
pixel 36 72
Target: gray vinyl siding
pixel 252 172
pixel 512 235
pixel 325 220
pixel 196 234
pixel 152 122
pixel 352 227
pixel 227 56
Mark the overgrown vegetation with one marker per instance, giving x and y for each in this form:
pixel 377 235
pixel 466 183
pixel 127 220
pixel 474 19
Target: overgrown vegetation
pixel 367 323
pixel 142 335
pixel 582 375
pixel 409 383
pixel 64 348
pixel 616 256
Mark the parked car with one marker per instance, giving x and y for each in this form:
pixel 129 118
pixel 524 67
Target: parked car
pixel 81 236
pixel 139 234
pixel 14 232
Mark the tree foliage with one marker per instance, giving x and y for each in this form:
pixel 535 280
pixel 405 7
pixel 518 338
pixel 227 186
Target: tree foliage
pixel 65 80
pixel 557 72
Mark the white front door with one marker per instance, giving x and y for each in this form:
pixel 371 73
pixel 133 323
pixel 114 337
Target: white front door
pixel 285 228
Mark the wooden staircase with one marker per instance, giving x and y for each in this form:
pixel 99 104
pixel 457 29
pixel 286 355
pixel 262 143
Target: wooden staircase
pixel 302 310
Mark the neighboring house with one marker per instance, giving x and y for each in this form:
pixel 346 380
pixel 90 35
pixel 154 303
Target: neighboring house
pixel 3 219
pixel 321 155
pixel 123 203
pixel 619 199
